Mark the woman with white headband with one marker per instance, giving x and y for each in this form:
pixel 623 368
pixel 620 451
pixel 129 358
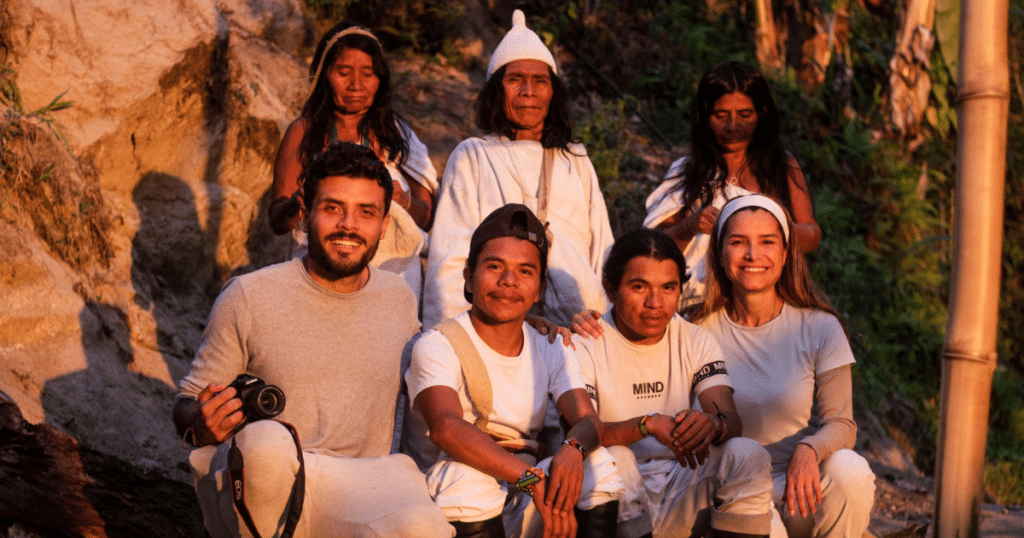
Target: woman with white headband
pixel 734 150
pixel 790 363
pixel 350 101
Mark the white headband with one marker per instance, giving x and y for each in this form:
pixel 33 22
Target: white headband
pixel 347 31
pixel 751 200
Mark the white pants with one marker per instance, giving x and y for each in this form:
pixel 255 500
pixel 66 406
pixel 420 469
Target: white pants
pixel 466 494
pixel 847 493
pixel 731 491
pixel 345 497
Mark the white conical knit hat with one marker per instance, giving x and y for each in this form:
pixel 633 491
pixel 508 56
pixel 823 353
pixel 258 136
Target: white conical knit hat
pixel 520 43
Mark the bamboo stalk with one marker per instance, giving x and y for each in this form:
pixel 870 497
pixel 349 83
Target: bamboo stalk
pixel 969 351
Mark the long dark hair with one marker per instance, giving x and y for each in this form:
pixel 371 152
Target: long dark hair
pixel 380 120
pixel 491 118
pixel 768 160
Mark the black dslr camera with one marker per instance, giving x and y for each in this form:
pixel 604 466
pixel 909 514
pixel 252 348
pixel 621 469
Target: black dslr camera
pixel 259 400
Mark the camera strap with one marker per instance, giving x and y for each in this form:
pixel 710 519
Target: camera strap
pixel 236 475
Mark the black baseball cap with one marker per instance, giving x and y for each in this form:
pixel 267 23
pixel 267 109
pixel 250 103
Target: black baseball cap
pixel 511 220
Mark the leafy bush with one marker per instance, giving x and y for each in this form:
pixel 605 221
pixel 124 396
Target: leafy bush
pixel 608 135
pixel 654 51
pixel 422 26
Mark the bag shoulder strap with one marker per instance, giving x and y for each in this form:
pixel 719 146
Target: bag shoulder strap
pixel 478 383
pixel 547 169
pixel 236 475
pixel 547 177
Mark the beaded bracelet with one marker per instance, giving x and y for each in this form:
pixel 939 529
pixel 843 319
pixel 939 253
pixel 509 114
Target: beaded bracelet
pixel 643 424
pixel 576 444
pixel 531 477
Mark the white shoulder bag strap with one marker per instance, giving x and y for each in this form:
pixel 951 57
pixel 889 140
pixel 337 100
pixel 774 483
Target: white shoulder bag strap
pixel 547 169
pixel 478 383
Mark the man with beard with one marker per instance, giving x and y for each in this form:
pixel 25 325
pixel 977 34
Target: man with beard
pixel 328 330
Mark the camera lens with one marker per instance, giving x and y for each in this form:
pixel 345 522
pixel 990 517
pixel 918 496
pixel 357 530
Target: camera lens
pixel 266 402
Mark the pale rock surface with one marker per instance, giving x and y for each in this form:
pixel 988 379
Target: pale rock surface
pixel 178 111
pixel 279 22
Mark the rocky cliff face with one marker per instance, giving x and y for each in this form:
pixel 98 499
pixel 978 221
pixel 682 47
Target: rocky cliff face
pixel 114 251
pixel 116 244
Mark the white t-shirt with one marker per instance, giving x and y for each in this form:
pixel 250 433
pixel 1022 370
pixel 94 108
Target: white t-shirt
pixel 773 368
pixel 666 201
pixel 520 385
pixel 626 380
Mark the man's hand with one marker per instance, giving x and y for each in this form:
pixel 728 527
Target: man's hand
pixel 662 429
pixel 586 323
pixel 556 524
pixel 691 437
pixel 550 329
pixel 565 480
pixel 803 481
pixel 219 414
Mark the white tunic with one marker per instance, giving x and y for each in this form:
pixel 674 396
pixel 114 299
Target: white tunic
pixel 666 201
pixel 484 174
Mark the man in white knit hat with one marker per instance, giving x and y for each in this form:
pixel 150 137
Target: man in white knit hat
pixel 527 157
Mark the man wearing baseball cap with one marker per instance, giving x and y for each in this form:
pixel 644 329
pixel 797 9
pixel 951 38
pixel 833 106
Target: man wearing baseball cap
pixel 481 382
pixel 527 156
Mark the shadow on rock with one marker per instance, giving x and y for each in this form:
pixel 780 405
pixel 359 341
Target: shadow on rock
pixel 50 486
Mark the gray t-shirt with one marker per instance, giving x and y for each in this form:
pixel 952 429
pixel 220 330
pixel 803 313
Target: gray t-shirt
pixel 336 356
pixel 775 368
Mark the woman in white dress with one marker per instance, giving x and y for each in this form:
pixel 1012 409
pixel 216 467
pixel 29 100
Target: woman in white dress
pixel 790 362
pixel 350 101
pixel 735 150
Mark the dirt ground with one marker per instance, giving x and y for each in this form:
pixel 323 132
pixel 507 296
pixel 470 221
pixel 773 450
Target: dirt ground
pixel 904 505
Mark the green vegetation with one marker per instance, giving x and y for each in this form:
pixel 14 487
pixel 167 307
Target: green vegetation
pixel 610 132
pixel 421 26
pixel 12 126
pixel 10 98
pixel 884 204
pixel 66 212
